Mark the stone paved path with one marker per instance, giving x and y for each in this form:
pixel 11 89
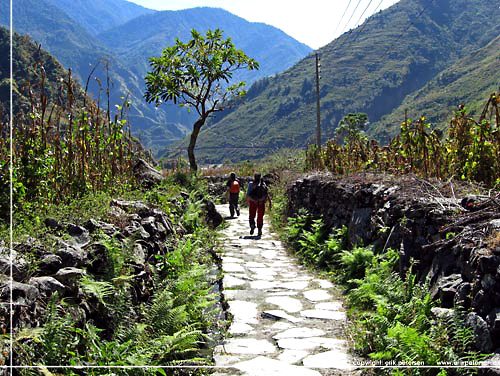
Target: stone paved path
pixel 286 321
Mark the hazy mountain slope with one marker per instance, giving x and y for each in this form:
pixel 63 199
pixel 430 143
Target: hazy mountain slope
pixel 59 29
pixel 370 69
pixel 97 15
pixel 147 35
pixel 470 81
pixel 80 51
pixel 26 53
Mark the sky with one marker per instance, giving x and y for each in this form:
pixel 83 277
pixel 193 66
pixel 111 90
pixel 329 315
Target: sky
pixel 313 22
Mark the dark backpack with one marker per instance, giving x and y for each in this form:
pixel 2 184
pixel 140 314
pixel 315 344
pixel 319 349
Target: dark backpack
pixel 259 192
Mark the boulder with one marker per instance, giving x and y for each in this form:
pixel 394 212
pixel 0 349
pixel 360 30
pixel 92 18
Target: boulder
pixel 50 264
pixel 69 277
pixel 146 174
pixel 79 234
pixel 482 338
pixel 19 265
pixel 493 320
pixel 445 289
pixel 149 224
pixel 71 256
pixel 129 206
pixel 212 216
pixel 22 293
pixel 52 224
pixel 482 303
pixel 47 285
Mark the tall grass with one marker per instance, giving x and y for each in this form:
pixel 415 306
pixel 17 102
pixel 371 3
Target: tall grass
pixel 470 151
pixel 63 146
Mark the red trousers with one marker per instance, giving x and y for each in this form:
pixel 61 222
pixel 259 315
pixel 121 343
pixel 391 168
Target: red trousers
pixel 259 208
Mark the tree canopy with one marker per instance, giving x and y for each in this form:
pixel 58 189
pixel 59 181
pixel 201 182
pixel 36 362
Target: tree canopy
pixel 197 74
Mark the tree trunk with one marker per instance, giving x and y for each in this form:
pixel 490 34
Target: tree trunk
pixel 192 143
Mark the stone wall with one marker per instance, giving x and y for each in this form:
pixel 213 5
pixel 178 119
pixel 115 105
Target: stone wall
pixel 40 270
pixel 450 239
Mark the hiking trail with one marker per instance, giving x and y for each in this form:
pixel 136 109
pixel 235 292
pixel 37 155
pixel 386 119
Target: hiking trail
pixel 285 319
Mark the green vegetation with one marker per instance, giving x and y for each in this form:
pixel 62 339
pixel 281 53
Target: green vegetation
pixel 70 160
pixel 469 80
pixel 370 69
pixel 391 316
pixel 170 329
pixel 470 151
pixel 65 145
pixel 192 74
pixel 116 37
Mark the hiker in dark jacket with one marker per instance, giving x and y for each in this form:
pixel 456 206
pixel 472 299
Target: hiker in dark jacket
pixel 257 195
pixel 233 194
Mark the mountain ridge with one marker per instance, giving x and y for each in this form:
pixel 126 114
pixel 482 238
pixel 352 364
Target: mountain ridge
pixel 76 48
pixel 369 69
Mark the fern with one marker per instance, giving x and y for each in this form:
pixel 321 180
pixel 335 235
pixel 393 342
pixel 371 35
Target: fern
pixel 355 262
pixel 98 289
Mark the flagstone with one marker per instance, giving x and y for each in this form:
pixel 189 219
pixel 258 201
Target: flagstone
pixel 253 264
pixel 284 293
pixel 249 346
pixel 292 356
pixel 268 254
pixel 310 343
pixel 277 314
pixel 243 311
pixel 297 285
pixel 240 328
pixel 251 251
pixel 232 268
pixel 270 367
pixel 286 303
pixel 266 271
pixel 323 314
pixel 329 306
pixel 281 325
pixel 329 359
pixel 316 295
pixel 230 281
pixel 258 274
pixel 324 284
pixel 302 332
pixel 262 285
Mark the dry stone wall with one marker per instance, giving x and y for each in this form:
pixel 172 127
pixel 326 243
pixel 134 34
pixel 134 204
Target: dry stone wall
pixel 449 239
pixel 39 270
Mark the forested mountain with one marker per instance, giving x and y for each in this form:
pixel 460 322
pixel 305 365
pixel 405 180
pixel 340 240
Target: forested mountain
pixel 96 16
pixel 470 81
pixel 370 69
pixel 75 48
pixel 66 29
pixel 26 55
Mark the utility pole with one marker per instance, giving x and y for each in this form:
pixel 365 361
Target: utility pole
pixel 318 117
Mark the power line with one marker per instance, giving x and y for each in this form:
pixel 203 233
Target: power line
pixel 341 18
pixel 362 14
pixel 362 27
pixel 366 23
pixel 350 18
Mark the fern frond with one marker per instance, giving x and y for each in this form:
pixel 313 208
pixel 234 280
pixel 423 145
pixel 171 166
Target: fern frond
pixel 101 290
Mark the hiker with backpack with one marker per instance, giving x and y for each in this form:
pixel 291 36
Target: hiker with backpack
pixel 257 195
pixel 233 194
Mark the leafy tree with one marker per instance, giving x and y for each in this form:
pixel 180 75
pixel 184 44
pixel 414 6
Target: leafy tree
pixel 351 126
pixel 196 74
